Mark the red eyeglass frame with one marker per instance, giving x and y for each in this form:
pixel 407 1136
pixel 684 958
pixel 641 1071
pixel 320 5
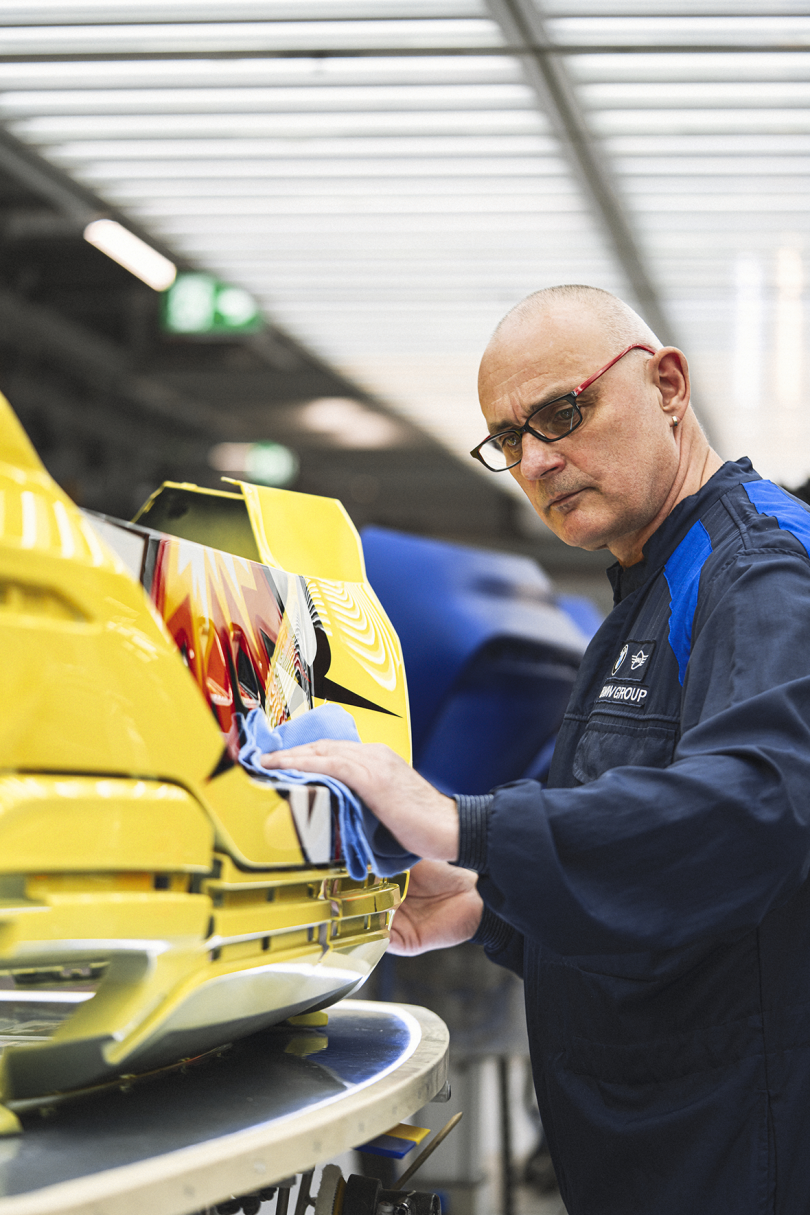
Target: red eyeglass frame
pixel 567 396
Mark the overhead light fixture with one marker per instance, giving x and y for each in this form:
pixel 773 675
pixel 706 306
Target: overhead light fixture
pixel 265 463
pixel 131 252
pixel 347 423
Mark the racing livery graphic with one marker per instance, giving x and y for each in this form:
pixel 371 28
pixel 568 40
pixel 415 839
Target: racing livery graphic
pixel 155 900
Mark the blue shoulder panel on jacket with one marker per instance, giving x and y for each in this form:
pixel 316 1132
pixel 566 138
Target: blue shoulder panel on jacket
pixel 682 573
pixel 769 499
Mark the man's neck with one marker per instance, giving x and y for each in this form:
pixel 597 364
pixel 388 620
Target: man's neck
pixel 693 473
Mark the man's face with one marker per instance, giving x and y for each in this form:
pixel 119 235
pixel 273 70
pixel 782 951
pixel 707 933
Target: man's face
pixel 606 482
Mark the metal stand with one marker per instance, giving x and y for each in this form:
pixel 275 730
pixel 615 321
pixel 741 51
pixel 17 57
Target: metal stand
pixel 274 1105
pixel 507 1172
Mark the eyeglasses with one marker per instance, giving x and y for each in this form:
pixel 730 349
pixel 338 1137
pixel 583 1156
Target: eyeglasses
pixel 550 423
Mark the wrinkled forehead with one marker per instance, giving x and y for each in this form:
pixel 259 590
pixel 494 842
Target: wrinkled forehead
pixel 534 359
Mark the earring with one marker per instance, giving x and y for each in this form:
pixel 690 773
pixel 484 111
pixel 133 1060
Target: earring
pixel 674 421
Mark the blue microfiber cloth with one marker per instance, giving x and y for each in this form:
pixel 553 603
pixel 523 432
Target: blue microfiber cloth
pixel 365 840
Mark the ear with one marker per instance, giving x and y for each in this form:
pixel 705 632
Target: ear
pixel 670 373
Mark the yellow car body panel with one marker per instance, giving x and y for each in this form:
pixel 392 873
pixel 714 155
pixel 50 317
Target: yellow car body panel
pixel 253 822
pixel 91 674
pixel 153 895
pixel 54 824
pixel 319 541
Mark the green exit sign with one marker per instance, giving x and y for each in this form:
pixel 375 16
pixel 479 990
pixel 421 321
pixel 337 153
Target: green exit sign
pixel 200 303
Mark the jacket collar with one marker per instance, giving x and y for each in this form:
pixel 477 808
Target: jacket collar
pixel 663 542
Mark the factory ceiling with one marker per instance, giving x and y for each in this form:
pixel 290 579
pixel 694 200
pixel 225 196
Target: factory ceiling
pixel 388 176
pixel 116 405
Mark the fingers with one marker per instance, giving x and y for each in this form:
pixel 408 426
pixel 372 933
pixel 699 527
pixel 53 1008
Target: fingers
pixel 363 767
pixel 311 756
pixel 423 820
pixel 349 762
pixel 435 922
pixel 437 880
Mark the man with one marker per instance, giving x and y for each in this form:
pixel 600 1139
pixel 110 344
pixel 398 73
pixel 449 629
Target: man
pixel 654 896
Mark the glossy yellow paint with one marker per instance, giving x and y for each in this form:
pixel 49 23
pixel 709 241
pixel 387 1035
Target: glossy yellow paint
pixel 122 858
pixel 314 536
pixel 253 823
pixel 95 914
pixel 60 823
pixel 94 682
pixel 214 517
pixel 366 657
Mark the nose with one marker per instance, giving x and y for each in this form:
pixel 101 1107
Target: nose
pixel 539 458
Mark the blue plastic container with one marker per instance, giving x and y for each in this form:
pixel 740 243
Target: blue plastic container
pixel 490 656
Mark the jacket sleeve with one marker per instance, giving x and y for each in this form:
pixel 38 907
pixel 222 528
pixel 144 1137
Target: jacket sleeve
pixel 502 943
pixel 656 858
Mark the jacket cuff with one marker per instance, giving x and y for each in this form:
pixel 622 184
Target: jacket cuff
pixel 493 932
pixel 473 816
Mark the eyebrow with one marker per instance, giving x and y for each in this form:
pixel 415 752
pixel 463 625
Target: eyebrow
pixel 530 409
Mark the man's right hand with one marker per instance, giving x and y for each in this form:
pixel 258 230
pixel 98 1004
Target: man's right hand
pixel 442 908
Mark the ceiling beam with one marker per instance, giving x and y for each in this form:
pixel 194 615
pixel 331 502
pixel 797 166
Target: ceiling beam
pixel 523 23
pixel 76 205
pixel 104 363
pixel 30 390
pixel 414 52
pixel 44 332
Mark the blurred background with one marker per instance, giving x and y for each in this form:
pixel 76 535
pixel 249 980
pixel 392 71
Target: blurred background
pixel 361 188
pixel 270 239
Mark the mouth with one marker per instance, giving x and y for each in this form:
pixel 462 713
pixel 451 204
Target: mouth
pixel 564 501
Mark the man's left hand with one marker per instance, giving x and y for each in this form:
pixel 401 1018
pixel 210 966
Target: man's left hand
pixel 442 908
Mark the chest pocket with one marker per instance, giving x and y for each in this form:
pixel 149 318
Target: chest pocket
pixel 606 745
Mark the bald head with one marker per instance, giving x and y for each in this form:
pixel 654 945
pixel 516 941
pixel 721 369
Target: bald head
pixel 565 334
pixel 620 324
pixel 636 447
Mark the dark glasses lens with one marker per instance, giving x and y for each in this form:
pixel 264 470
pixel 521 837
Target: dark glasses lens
pixel 551 422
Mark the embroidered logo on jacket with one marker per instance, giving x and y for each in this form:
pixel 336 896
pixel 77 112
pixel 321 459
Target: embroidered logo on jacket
pixel 624 692
pixel 633 661
pixel 618 663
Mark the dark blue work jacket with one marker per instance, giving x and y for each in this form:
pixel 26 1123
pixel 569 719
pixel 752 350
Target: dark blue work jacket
pixel 655 895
